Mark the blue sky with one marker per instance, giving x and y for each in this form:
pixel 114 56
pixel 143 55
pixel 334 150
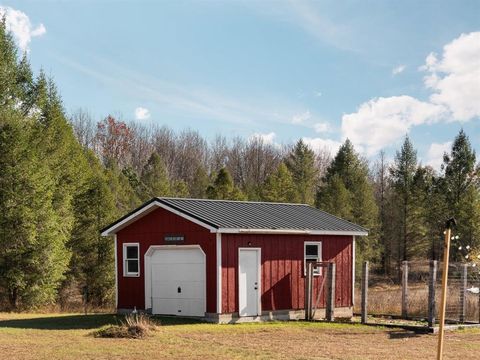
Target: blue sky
pixel 322 70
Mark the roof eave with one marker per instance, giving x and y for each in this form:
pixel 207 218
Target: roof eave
pixel 290 232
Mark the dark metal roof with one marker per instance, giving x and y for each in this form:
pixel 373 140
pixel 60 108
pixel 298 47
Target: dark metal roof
pixel 245 215
pixel 260 215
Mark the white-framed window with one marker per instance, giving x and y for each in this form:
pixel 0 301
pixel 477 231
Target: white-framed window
pixel 131 259
pixel 312 251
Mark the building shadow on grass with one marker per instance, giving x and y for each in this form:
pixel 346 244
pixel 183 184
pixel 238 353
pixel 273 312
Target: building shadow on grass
pixel 403 334
pixel 62 322
pixel 80 321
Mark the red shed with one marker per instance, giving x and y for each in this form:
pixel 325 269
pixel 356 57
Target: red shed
pixel 225 260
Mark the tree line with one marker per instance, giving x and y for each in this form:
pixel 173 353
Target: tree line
pixel 63 177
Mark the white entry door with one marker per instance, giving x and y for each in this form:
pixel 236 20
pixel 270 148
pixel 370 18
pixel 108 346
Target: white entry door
pixel 249 286
pixel 178 282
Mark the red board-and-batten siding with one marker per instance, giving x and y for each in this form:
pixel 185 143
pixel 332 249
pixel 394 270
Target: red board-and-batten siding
pixel 281 262
pixel 283 281
pixel 151 230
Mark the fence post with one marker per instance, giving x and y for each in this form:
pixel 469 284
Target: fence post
pixel 331 292
pixel 308 291
pixel 364 292
pixel 404 289
pixel 463 290
pixel 431 292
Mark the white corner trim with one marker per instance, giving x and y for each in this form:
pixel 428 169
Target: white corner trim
pixel 353 270
pixel 147 209
pixel 219 272
pixel 116 270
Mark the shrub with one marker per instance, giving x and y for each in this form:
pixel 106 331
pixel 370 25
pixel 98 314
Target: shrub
pixel 135 326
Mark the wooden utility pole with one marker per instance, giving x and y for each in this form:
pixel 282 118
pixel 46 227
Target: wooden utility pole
pixel 446 254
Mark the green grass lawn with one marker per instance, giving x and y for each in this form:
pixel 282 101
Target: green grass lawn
pixel 70 336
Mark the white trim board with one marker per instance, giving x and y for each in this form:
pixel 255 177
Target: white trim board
pixel 290 232
pixel 219 272
pixel 116 271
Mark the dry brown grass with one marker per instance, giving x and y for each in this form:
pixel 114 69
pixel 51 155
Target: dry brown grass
pixel 386 299
pixel 134 326
pixel 27 336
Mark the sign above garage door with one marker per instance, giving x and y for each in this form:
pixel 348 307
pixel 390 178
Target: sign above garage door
pixel 175 280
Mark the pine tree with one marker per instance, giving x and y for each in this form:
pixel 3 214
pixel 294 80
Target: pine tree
pixel 301 163
pixel 223 187
pixel 154 178
pixel 198 188
pixel 180 189
pixel 347 192
pixel 8 68
pixel 279 186
pixel 92 263
pixel 403 172
pixel 460 185
pixel 336 199
pixel 125 197
pixel 33 257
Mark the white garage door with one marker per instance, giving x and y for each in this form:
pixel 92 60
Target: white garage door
pixel 178 282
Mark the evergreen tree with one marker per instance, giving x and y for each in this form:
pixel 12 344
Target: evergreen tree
pixel 125 197
pixel 33 257
pixel 347 192
pixel 198 188
pixel 8 68
pixel 301 164
pixel 336 199
pixel 403 172
pixel 460 185
pixel 180 189
pixel 223 187
pixel 279 186
pixel 92 263
pixel 154 178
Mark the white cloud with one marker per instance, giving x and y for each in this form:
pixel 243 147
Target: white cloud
pixel 142 113
pixel 398 70
pixel 435 154
pixel 301 118
pixel 455 77
pixel 19 24
pixel 321 127
pixel 319 145
pixel 266 138
pixel 383 121
pixel 318 94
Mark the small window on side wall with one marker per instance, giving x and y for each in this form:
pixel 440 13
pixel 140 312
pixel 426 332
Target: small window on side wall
pixel 131 259
pixel 312 253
